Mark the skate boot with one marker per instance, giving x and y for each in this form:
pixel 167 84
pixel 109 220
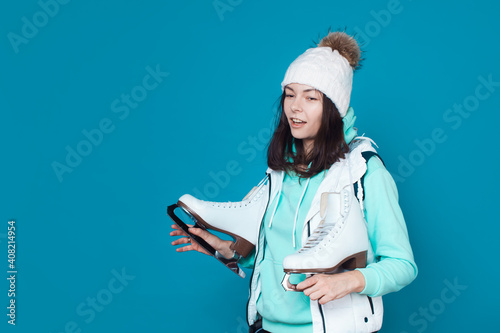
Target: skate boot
pixel 240 220
pixel 339 241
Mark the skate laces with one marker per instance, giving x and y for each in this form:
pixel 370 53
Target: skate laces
pixel 326 228
pixel 318 235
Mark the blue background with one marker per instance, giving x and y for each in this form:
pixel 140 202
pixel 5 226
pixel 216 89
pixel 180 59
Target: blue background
pixel 213 112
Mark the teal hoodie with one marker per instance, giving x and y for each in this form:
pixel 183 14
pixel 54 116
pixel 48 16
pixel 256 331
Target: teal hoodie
pixel 290 311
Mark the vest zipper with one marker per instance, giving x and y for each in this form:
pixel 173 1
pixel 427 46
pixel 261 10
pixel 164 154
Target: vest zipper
pixel 322 317
pixel 256 253
pixel 371 303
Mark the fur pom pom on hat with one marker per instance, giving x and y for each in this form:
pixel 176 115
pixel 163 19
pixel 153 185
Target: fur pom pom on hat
pixel 346 45
pixel 328 67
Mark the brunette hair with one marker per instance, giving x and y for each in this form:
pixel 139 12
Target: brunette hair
pixel 329 144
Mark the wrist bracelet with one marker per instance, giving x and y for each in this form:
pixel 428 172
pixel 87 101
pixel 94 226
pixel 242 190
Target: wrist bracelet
pixel 235 256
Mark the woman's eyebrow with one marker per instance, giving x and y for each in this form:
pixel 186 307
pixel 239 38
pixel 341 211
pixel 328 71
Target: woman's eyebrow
pixel 306 90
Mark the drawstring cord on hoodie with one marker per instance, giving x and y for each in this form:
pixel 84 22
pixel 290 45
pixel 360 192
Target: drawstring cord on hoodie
pixel 298 206
pixel 297 211
pixel 365 138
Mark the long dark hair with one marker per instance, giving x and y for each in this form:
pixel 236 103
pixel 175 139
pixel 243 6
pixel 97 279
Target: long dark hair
pixel 329 144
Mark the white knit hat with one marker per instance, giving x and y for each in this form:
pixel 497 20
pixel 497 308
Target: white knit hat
pixel 325 69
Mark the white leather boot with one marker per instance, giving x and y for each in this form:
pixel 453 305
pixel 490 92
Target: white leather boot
pixel 240 220
pixel 340 240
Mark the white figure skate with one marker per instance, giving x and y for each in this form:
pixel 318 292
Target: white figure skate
pixel 340 240
pixel 240 220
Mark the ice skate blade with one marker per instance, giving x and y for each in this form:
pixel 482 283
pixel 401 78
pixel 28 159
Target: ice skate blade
pixel 232 264
pixel 287 285
pixel 357 260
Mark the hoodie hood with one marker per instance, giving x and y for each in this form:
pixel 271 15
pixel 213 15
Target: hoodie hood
pixel 350 132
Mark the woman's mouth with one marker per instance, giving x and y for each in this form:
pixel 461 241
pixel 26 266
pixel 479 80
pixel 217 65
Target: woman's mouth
pixel 296 123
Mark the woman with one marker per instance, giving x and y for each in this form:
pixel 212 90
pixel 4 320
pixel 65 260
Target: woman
pixel 313 141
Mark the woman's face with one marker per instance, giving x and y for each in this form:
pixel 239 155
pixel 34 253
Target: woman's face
pixel 303 108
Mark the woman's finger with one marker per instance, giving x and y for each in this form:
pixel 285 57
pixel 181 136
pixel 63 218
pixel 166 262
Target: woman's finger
pixel 183 240
pixel 211 239
pixel 178 233
pixel 207 236
pixel 196 231
pixel 192 247
pixel 185 248
pixel 175 226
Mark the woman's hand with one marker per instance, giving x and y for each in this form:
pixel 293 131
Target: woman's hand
pixel 327 287
pixel 222 246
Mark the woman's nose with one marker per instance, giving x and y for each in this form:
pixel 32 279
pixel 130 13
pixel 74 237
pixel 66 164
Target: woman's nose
pixel 296 106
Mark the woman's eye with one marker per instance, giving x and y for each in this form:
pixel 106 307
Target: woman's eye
pixel 288 95
pixel 312 98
